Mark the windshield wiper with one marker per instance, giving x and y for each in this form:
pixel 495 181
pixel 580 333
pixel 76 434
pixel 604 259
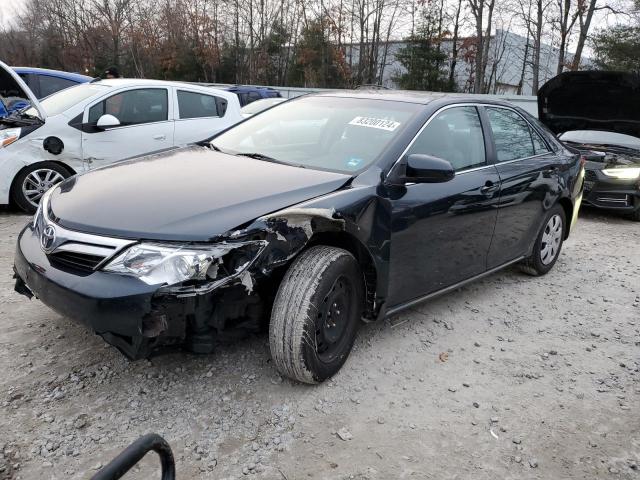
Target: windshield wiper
pixel 262 156
pixel 20 120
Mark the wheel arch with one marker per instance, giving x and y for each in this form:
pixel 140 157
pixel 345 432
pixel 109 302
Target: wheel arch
pixel 567 206
pixel 30 166
pixel 350 243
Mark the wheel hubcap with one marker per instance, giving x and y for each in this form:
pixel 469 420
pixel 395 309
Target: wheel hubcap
pixel 551 238
pixel 333 318
pixel 38 182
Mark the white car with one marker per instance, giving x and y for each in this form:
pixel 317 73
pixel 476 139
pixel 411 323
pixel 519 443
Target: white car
pixel 98 123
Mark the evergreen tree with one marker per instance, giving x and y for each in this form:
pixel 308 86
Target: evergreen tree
pixel 424 62
pixel 618 48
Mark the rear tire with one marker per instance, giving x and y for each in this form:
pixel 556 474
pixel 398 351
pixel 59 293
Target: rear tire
pixel 547 248
pixel 316 314
pixel 635 216
pixel 33 182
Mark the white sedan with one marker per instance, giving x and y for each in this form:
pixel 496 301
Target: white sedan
pixel 98 123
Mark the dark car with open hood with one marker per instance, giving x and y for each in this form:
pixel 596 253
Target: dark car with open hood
pixel 598 113
pixel 305 220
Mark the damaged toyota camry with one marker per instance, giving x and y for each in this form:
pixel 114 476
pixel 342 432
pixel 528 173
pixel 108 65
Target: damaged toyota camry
pixel 305 220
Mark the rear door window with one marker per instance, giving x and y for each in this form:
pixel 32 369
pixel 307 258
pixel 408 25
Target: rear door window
pixel 539 145
pixel 197 105
pixel 511 133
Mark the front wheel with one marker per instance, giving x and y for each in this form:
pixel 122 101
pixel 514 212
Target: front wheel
pixel 548 244
pixel 316 314
pixel 32 183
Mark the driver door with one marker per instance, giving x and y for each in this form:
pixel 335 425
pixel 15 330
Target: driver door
pixel 441 232
pixel 146 126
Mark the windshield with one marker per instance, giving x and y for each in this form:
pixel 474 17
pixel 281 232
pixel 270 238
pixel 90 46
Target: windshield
pixel 65 99
pixel 599 137
pixel 327 133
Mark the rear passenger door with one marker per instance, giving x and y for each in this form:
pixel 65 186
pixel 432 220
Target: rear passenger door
pixel 529 175
pixel 441 232
pixel 199 116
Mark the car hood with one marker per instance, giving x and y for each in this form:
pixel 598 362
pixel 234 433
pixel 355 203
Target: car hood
pixel 194 194
pixel 591 100
pixel 11 85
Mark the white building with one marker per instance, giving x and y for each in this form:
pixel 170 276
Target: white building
pixel 504 67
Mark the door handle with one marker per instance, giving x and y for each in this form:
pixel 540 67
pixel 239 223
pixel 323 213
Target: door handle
pixel 159 137
pixel 489 187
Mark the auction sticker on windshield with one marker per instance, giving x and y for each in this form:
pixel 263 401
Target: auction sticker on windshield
pixel 380 123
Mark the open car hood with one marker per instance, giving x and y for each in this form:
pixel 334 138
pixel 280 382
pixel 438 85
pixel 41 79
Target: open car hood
pixel 591 100
pixel 12 87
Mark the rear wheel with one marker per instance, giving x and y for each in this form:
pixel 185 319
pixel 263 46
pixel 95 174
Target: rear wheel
pixel 635 216
pixel 316 314
pixel 32 183
pixel 548 244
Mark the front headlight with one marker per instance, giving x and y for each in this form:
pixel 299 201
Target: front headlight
pixel 8 136
pixel 157 264
pixel 629 173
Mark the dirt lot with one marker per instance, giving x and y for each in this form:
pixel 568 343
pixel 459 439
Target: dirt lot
pixel 511 377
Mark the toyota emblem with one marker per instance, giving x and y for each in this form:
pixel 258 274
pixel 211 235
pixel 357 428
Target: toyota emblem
pixel 48 238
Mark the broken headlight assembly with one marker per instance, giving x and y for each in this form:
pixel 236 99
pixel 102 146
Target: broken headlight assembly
pixel 165 264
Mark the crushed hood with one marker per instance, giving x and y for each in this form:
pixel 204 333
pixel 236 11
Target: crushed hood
pixel 591 100
pixel 12 88
pixel 194 194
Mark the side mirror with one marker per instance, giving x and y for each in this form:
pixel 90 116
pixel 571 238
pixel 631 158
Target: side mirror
pixel 107 121
pixel 422 168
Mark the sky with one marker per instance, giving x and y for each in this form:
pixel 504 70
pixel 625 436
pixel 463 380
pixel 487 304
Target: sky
pixel 8 9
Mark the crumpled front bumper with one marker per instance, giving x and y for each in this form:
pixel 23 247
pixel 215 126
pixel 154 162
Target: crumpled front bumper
pixel 129 314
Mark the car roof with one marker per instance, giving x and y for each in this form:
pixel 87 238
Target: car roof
pixel 144 82
pixel 76 77
pixel 410 96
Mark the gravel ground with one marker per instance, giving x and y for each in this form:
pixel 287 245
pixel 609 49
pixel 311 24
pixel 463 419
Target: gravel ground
pixel 510 377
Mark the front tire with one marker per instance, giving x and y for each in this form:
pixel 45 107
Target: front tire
pixel 33 182
pixel 316 314
pixel 548 244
